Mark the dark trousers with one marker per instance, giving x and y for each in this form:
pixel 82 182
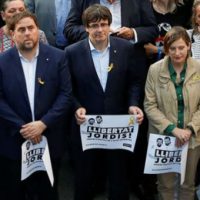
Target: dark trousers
pixel 111 164
pixel 35 187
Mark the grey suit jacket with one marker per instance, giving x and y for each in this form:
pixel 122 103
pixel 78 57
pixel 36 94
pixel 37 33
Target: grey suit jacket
pixel 45 11
pixel 46 14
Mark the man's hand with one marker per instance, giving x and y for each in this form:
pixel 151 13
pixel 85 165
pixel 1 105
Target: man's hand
pixel 134 110
pixel 37 139
pixel 182 136
pixel 80 115
pixel 33 131
pixel 126 33
pixel 150 49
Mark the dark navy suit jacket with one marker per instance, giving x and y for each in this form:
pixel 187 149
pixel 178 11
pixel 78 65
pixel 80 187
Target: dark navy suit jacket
pixel 123 83
pixel 52 99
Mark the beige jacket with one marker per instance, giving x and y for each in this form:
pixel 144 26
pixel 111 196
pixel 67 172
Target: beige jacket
pixel 160 102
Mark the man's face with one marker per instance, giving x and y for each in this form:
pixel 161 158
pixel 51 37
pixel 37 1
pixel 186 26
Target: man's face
pixel 167 141
pixel 12 8
pixel 98 31
pixel 26 34
pixel 159 142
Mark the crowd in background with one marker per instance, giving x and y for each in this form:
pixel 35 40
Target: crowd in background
pixel 159 39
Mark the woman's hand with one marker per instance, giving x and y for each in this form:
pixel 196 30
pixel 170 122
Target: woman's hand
pixel 182 136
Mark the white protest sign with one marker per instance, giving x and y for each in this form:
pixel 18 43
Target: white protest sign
pixel 163 156
pixel 109 132
pixel 35 157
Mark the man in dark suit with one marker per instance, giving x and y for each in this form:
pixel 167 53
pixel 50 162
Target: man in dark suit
pixel 134 21
pixel 105 81
pixel 35 96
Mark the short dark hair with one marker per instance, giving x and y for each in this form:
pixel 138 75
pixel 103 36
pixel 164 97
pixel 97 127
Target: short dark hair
pixel 95 13
pixel 167 137
pixel 19 16
pixel 176 33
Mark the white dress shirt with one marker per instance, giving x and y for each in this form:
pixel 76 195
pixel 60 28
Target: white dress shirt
pixel 29 69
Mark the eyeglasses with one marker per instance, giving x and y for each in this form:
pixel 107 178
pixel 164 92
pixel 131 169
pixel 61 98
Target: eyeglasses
pixel 96 26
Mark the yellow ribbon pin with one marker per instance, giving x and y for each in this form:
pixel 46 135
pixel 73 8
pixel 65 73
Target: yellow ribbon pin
pixel 110 67
pixel 196 77
pixel 40 81
pixel 131 121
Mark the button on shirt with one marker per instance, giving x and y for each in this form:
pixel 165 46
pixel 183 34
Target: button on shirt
pixel 101 63
pixel 29 69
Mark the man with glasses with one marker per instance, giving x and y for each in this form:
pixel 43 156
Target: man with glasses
pixel 104 79
pixel 134 21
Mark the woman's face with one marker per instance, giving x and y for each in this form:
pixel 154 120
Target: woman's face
pixel 197 15
pixel 12 8
pixel 178 51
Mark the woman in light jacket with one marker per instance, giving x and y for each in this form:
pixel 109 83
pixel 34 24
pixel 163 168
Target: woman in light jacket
pixel 172 105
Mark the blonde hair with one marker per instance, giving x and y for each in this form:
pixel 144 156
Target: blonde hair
pixel 193 18
pixel 172 5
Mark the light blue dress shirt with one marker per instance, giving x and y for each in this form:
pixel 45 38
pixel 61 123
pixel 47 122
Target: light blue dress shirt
pixel 101 63
pixel 115 9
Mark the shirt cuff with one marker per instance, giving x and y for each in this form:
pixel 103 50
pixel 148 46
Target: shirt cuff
pixel 135 39
pixel 169 129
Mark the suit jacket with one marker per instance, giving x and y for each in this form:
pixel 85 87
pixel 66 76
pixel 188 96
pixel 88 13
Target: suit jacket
pixel 47 22
pixel 123 84
pixel 136 14
pixel 52 99
pixel 46 14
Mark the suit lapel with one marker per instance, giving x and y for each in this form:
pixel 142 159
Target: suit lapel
pixel 113 64
pixel 92 74
pixel 42 65
pixel 20 75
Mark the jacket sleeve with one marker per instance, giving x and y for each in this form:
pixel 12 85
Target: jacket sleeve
pixel 195 122
pixel 6 112
pixel 148 30
pixel 155 116
pixel 74 30
pixel 63 101
pixel 30 4
pixel 135 77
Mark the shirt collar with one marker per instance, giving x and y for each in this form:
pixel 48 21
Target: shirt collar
pixel 36 54
pixel 171 68
pixel 92 48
